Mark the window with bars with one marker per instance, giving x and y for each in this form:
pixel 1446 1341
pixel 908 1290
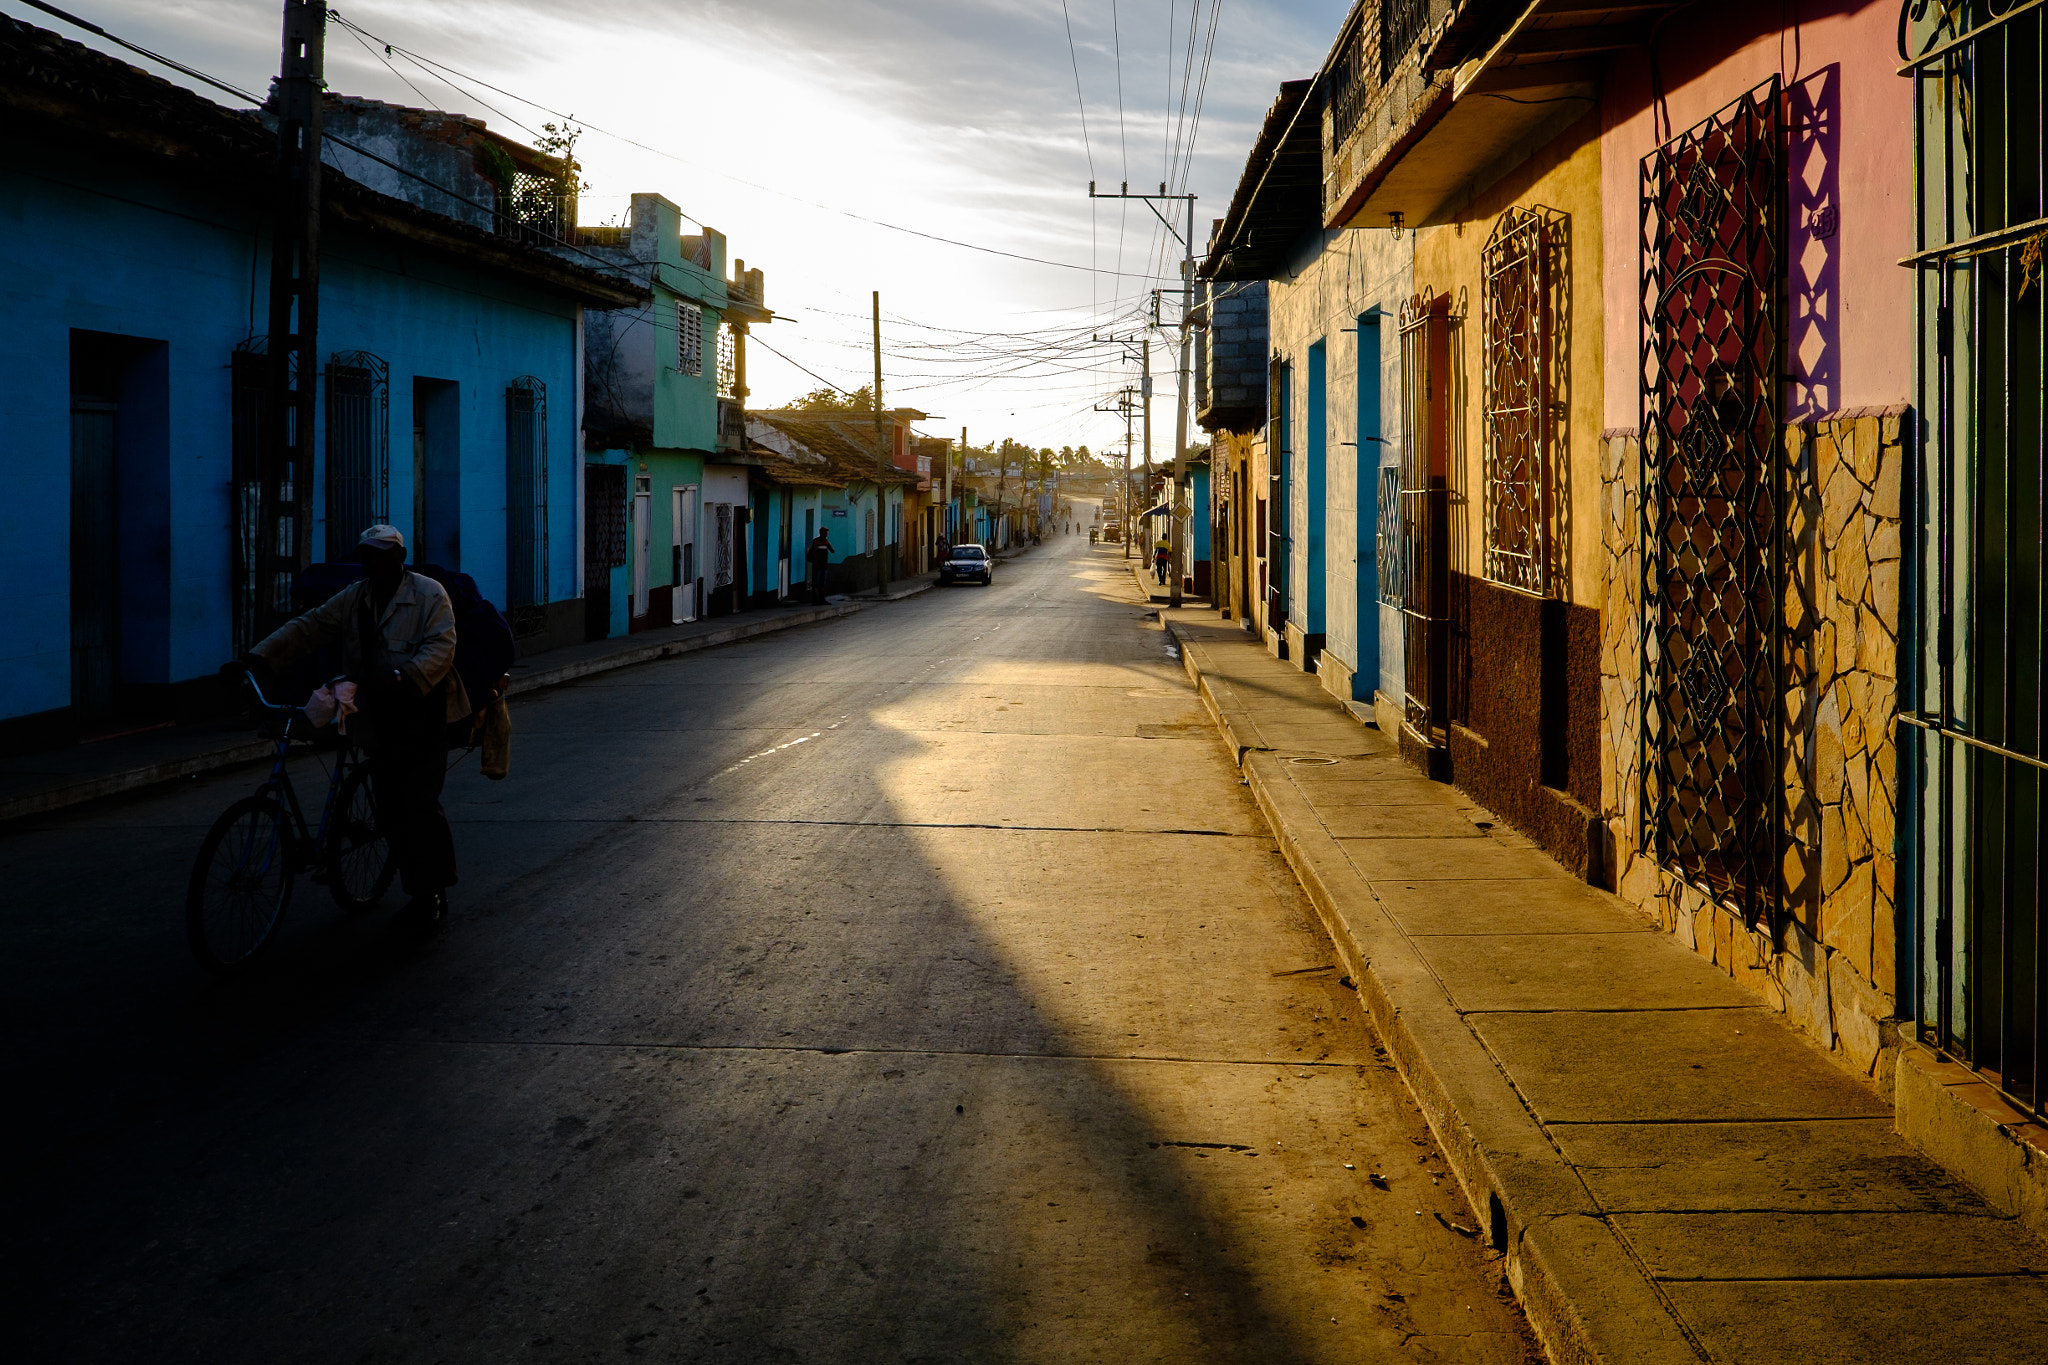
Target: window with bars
pixel 728 363
pixel 1400 28
pixel 526 495
pixel 1279 489
pixel 358 448
pixel 1521 353
pixel 1973 754
pixel 1424 517
pixel 690 338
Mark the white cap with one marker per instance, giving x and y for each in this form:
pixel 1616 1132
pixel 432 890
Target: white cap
pixel 382 537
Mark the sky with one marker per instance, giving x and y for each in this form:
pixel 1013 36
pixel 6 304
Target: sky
pixel 785 123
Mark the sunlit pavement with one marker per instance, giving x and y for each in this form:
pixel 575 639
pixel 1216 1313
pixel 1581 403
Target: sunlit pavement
pixel 920 986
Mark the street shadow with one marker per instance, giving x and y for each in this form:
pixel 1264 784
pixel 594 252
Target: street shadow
pixel 814 1037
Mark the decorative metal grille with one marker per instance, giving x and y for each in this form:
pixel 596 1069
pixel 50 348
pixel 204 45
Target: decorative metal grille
pixel 1401 25
pixel 526 497
pixel 689 338
pixel 1348 88
pixel 604 521
pixel 1519 375
pixel 1974 764
pixel 358 448
pixel 1425 509
pixel 728 363
pixel 721 545
pixel 1389 547
pixel 1713 559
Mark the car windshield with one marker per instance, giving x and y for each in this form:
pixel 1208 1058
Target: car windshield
pixel 968 552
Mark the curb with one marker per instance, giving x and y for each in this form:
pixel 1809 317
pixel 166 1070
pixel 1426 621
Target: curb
pixel 1586 1295
pixel 247 750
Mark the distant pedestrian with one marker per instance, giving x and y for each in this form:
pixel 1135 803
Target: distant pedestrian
pixel 817 559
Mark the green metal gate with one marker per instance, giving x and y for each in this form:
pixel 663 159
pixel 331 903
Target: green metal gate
pixel 1971 742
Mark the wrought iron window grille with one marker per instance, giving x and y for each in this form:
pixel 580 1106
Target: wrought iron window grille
pixel 1525 339
pixel 1400 28
pixel 690 338
pixel 1714 554
pixel 1423 576
pixel 358 448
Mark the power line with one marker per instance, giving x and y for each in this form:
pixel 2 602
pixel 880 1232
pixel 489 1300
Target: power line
pixel 1076 62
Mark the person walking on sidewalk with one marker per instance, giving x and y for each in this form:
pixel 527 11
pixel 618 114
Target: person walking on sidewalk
pixel 396 630
pixel 1162 560
pixel 816 559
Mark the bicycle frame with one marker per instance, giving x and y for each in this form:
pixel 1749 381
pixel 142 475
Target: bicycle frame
pixel 306 842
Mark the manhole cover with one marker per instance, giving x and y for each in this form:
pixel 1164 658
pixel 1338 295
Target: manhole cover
pixel 1314 762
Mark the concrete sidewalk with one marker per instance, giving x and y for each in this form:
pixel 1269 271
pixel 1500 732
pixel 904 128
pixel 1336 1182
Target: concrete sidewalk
pixel 35 784
pixel 1673 1173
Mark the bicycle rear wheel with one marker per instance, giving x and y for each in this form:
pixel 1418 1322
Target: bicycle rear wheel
pixel 241 884
pixel 360 864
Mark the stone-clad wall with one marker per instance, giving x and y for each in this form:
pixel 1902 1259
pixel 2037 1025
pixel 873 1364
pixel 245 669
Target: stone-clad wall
pixel 1833 970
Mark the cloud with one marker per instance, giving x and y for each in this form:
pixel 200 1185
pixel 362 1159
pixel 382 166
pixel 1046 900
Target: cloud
pixel 955 117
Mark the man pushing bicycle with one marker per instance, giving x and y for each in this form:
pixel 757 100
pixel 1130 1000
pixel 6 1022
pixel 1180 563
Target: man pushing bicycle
pixel 396 630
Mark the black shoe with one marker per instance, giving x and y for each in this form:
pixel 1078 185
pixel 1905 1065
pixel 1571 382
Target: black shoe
pixel 423 916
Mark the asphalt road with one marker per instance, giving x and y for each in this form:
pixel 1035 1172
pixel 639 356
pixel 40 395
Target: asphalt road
pixel 920 986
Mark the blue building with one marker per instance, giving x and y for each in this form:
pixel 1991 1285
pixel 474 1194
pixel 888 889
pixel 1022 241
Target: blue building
pixel 135 223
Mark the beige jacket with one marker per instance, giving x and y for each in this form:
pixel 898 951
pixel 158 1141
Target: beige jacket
pixel 418 626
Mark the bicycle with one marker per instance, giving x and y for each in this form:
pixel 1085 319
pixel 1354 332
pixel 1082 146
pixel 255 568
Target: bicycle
pixel 243 877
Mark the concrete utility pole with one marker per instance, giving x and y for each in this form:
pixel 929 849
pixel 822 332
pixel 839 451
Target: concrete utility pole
pixel 1145 396
pixel 881 463
pixel 284 531
pixel 1187 298
pixel 1123 405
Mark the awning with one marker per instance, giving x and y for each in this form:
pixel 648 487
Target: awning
pixel 1162 510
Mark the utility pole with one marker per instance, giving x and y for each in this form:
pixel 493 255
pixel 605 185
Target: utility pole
pixel 881 463
pixel 1187 289
pixel 1145 395
pixel 283 534
pixel 953 522
pixel 1123 405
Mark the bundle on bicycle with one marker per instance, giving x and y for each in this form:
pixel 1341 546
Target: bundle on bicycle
pixel 395 633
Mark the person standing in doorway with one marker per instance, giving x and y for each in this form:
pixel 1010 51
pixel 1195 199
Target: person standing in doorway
pixel 816 559
pixel 396 630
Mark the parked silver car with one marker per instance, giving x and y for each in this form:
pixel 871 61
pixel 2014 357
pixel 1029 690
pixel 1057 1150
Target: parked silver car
pixel 968 561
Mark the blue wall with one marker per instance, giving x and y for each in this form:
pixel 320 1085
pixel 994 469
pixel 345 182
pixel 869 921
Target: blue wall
pixel 137 259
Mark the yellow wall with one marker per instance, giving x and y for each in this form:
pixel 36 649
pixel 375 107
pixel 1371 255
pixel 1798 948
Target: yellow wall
pixel 1563 175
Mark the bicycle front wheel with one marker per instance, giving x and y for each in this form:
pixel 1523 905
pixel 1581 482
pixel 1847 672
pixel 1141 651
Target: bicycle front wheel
pixel 241 884
pixel 360 864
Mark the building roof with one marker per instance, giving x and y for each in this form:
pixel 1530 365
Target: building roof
pixel 63 95
pixel 1280 195
pixel 843 441
pixel 788 473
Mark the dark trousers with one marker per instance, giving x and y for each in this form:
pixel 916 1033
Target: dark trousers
pixel 408 765
pixel 817 576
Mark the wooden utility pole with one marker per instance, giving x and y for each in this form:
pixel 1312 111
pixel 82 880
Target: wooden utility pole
pixel 1145 393
pixel 881 463
pixel 284 533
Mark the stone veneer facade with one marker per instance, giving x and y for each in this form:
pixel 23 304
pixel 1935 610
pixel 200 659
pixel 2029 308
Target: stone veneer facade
pixel 1832 971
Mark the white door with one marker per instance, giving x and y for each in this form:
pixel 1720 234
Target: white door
pixel 684 553
pixel 643 498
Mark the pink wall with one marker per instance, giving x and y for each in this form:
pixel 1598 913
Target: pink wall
pixel 1850 304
